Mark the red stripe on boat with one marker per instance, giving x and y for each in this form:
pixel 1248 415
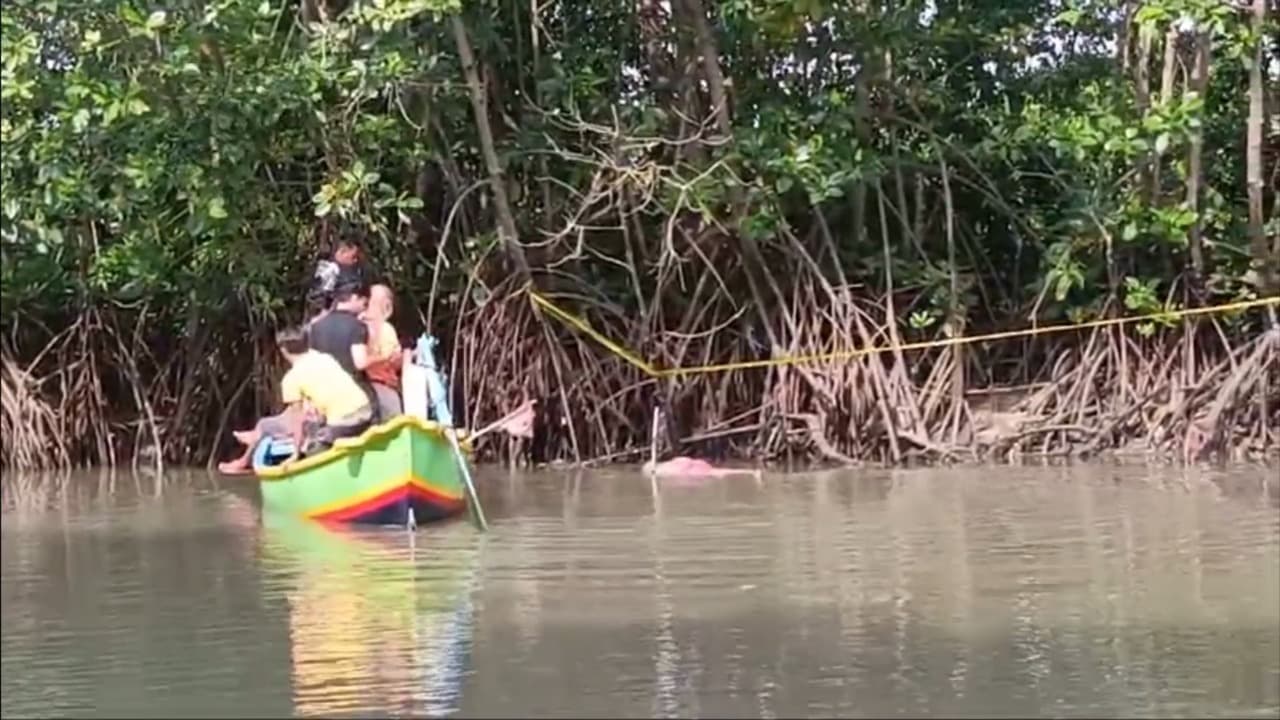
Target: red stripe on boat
pixel 390 497
pixel 436 498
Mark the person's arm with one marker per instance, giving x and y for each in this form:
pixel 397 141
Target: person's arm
pixel 291 396
pixel 375 341
pixel 393 341
pixel 299 432
pixel 360 355
pixel 360 346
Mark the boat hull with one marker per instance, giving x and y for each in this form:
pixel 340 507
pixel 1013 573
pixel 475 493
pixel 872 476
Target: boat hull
pixel 400 472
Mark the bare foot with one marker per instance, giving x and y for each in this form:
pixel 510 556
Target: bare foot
pixel 245 437
pixel 234 467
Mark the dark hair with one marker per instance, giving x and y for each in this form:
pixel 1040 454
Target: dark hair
pixel 292 340
pixel 347 240
pixel 350 289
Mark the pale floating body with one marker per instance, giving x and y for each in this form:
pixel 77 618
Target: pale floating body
pixel 682 466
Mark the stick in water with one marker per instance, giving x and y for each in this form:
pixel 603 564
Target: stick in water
pixel 440 405
pixel 518 422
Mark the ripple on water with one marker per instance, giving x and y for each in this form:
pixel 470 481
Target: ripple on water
pixel 1006 591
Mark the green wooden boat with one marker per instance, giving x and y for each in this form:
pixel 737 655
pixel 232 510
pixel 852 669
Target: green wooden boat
pixel 401 472
pixel 406 471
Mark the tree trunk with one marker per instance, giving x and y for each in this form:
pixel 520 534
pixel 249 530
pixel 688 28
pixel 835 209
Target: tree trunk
pixel 1142 91
pixel 955 311
pixel 716 86
pixel 710 55
pixel 1264 263
pixel 1124 35
pixel 861 121
pixel 1199 85
pixel 497 179
pixel 1166 95
pixel 544 183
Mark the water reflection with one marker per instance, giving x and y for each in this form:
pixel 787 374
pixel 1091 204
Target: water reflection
pixel 377 618
pixel 1063 591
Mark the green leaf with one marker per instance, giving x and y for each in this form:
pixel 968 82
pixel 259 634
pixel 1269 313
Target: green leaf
pixel 921 319
pixel 1071 17
pixel 80 120
pixel 129 14
pixel 217 209
pixel 1062 288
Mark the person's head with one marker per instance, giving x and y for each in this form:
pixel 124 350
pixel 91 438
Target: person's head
pixel 382 302
pixel 351 297
pixel 346 252
pixel 292 342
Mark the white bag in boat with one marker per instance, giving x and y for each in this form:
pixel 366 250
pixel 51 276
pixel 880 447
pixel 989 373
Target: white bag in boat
pixel 413 386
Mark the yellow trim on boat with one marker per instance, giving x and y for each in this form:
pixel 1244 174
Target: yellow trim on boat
pixel 371 493
pixel 346 446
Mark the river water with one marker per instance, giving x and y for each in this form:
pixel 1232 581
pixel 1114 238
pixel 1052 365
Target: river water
pixel 1089 591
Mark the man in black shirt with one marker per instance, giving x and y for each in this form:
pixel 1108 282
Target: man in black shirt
pixel 342 334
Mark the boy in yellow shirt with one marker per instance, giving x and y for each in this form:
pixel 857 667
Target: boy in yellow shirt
pixel 323 402
pixel 341 407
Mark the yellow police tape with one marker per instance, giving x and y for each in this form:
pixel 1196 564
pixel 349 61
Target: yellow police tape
pixel 543 303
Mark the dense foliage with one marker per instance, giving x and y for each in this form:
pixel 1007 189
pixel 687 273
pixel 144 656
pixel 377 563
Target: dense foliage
pixel 775 171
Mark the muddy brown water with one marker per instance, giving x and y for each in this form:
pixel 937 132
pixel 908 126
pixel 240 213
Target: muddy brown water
pixel 1087 591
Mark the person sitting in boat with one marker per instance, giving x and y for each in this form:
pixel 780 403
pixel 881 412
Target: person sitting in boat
pixel 385 355
pixel 343 268
pixel 318 381
pixel 341 334
pixel 322 402
pixel 283 426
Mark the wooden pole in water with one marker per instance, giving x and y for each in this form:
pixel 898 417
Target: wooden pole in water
pixel 653 441
pixel 653 457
